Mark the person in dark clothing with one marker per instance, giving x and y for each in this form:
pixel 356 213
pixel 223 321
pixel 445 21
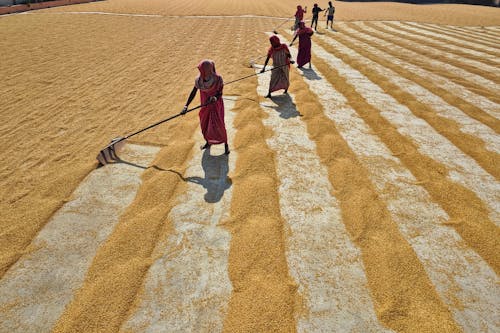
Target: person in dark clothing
pixel 315 11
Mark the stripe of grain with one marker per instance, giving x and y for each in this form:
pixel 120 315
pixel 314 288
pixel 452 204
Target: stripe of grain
pixel 461 130
pixel 264 295
pixel 187 288
pixel 487 68
pixel 478 103
pixel 471 219
pixel 321 257
pixel 461 277
pixel 474 80
pixel 488 51
pixel 458 34
pixel 404 298
pixel 462 168
pixel 35 290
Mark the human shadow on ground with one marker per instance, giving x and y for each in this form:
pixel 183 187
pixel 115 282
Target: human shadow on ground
pixel 310 73
pixel 216 180
pixel 286 107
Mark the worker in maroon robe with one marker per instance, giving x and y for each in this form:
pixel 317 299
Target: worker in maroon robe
pixel 211 113
pixel 304 33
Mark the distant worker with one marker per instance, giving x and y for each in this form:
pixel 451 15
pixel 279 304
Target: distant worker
pixel 330 11
pixel 299 16
pixel 315 11
pixel 211 113
pixel 280 76
pixel 304 33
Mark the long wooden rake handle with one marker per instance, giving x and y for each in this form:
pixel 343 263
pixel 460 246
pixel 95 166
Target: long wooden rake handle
pixel 164 120
pixel 195 108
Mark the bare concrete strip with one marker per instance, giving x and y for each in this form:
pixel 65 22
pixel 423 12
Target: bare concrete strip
pixel 35 291
pixel 462 168
pixel 485 104
pixel 467 124
pixel 323 261
pixel 436 52
pixel 459 72
pixel 187 289
pixel 457 272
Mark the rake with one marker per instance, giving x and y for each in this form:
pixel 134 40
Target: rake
pixel 109 153
pixel 275 31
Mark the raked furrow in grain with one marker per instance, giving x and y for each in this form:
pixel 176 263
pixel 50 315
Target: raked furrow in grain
pixel 321 258
pixel 383 49
pixel 395 264
pixel 448 40
pixel 477 35
pixel 35 290
pixel 451 65
pixel 187 288
pixel 464 55
pixel 431 105
pixel 462 168
pixel 489 72
pixel 478 38
pixel 469 43
pixel 457 272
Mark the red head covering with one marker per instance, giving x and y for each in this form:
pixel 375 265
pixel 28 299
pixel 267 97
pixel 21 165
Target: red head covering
pixel 207 76
pixel 303 29
pixel 275 41
pixel 276 46
pixel 206 68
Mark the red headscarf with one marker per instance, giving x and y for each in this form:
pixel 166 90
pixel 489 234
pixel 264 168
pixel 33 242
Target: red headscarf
pixel 275 41
pixel 303 29
pixel 277 46
pixel 208 76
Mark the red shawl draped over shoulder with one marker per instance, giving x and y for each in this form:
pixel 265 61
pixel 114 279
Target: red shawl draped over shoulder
pixel 212 115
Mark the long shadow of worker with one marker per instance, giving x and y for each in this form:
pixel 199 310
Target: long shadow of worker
pixel 286 107
pixel 310 73
pixel 216 181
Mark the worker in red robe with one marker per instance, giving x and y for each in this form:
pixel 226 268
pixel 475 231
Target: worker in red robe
pixel 304 33
pixel 299 16
pixel 211 113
